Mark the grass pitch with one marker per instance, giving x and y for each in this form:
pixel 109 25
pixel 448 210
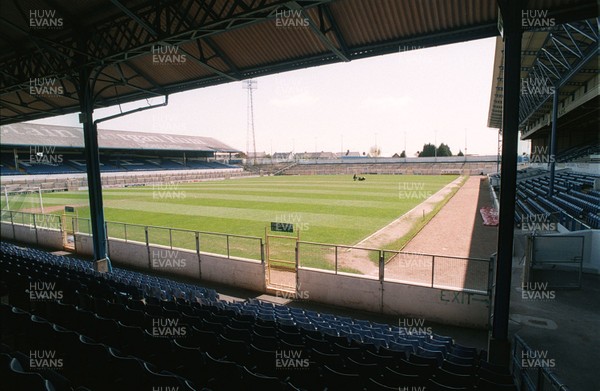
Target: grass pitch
pixel 328 209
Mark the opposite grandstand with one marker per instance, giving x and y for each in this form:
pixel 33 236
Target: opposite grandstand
pixel 29 149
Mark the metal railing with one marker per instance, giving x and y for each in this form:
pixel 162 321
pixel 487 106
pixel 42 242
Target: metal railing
pixel 438 271
pixel 249 247
pixel 335 257
pixel 533 374
pixel 434 271
pixel 229 245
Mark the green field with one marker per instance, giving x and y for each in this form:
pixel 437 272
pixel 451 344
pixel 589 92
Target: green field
pixel 329 209
pixel 326 209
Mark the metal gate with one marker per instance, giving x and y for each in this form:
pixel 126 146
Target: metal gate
pixel 556 261
pixel 69 227
pixel 281 272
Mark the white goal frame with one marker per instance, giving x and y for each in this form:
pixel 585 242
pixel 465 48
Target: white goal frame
pixel 6 192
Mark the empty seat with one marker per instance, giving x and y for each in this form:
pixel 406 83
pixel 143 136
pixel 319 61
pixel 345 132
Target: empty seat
pixel 343 381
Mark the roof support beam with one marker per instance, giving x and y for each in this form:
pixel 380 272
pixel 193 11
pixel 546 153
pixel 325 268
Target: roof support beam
pixel 133 16
pixel 335 28
pixel 143 74
pixel 320 34
pixel 215 48
pixel 205 65
pixel 565 52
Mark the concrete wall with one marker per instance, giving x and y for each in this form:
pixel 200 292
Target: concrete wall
pixel 84 245
pixel 45 237
pixel 174 261
pixel 133 254
pixel 49 238
pixel 345 290
pixel 242 273
pixel 6 231
pixel 25 234
pixel 438 305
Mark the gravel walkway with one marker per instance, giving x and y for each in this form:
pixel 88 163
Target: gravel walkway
pixel 456 231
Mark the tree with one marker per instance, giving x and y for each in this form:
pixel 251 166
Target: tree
pixel 403 154
pixel 444 150
pixel 428 150
pixel 460 153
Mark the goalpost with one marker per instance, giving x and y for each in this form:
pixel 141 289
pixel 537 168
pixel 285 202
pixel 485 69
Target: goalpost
pixel 22 199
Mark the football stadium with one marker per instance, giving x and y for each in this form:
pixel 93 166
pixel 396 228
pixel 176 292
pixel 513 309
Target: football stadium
pixel 168 260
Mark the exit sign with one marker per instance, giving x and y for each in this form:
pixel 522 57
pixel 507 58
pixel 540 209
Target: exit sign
pixel 282 227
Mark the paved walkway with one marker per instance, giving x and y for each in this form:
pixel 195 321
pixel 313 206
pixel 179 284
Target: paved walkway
pixel 456 231
pixel 359 259
pixel 402 225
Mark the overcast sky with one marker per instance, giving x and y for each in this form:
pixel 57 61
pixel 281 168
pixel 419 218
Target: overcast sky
pixel 438 94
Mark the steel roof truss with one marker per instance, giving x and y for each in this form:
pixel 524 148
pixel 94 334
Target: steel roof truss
pixel 133 16
pixel 564 52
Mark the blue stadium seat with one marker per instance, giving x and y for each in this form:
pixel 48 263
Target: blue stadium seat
pixel 112 317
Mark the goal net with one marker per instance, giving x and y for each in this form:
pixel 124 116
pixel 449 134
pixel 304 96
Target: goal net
pixel 22 199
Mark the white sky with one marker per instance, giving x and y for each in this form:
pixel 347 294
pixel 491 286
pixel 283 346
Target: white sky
pixel 438 94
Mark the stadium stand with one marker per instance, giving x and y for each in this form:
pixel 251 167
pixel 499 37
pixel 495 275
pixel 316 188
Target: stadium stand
pixel 111 319
pixel 574 204
pixel 76 164
pixel 6 168
pixel 411 168
pixel 32 149
pixel 581 153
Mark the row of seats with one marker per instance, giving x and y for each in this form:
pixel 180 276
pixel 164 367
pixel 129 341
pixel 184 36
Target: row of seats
pixel 67 165
pixel 134 283
pixel 77 362
pixel 586 205
pixel 577 152
pixel 337 366
pixel 234 345
pixel 572 203
pixel 587 179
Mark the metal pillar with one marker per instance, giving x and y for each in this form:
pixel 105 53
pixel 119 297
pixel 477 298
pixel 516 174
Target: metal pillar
pixel 552 152
pixel 92 160
pixel 499 345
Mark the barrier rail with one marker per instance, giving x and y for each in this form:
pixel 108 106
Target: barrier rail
pixel 434 271
pixel 62 182
pixel 537 377
pixel 228 245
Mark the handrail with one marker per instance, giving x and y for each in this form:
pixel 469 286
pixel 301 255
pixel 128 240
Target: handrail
pixel 178 229
pixel 555 382
pixel 249 251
